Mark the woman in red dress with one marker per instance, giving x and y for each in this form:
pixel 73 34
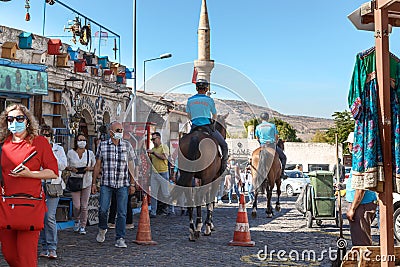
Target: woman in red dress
pixel 19 136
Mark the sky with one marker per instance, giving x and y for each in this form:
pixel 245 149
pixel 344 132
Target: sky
pixel 296 57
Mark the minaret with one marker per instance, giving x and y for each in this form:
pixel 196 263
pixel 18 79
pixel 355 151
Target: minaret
pixel 203 64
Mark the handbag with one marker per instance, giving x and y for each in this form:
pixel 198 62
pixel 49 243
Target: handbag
pixel 75 184
pixel 15 209
pixel 53 190
pixel 22 212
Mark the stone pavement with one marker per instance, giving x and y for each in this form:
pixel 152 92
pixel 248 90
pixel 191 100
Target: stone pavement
pixel 286 231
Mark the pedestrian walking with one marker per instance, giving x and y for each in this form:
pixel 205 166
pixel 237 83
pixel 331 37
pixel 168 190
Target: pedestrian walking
pixel 234 179
pixel 81 163
pixel 159 158
pixel 362 210
pixel 113 212
pixel 48 236
pixel 19 131
pixel 115 158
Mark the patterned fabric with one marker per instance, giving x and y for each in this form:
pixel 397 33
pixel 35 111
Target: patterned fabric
pixel 363 103
pixel 114 162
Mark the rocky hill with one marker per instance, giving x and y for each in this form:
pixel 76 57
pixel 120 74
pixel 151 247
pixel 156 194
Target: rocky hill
pixel 240 111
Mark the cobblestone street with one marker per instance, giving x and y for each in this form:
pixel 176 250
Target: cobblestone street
pixel 286 231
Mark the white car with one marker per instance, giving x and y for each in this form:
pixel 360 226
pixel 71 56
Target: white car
pixel 396 215
pixel 294 183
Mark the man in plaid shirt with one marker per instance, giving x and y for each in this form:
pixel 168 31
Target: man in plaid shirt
pixel 115 157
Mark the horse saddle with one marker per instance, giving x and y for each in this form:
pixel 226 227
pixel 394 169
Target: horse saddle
pixel 203 128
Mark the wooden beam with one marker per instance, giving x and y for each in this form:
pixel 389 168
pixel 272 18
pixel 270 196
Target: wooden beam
pixel 381 4
pixel 383 75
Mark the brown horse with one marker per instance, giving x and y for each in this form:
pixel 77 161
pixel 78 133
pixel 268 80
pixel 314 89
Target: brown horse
pixel 206 168
pixel 264 180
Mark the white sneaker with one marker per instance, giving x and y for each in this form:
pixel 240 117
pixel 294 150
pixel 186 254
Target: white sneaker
pixel 120 243
pixel 76 226
pixel 82 231
pixel 101 236
pixel 129 226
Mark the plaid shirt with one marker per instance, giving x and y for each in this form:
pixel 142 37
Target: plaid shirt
pixel 114 162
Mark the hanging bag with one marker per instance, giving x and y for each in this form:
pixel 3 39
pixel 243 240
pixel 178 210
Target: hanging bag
pixel 21 211
pixel 53 190
pixel 75 184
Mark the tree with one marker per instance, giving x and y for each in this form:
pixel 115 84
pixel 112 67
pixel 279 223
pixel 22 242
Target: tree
pixel 286 131
pixel 254 122
pixel 320 137
pixel 344 124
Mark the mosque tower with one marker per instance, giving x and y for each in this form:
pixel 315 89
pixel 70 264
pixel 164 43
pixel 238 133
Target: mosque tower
pixel 203 64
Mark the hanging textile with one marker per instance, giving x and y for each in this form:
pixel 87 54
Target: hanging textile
pixel 363 102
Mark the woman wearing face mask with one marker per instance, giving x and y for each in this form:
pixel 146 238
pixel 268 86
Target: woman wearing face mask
pixel 19 138
pixel 80 166
pixel 48 236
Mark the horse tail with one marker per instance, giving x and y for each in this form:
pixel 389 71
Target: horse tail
pixel 194 148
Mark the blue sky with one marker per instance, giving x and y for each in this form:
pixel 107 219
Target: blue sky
pixel 300 54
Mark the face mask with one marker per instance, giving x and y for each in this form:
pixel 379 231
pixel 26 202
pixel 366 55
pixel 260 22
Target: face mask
pixel 232 162
pixel 81 144
pixel 17 127
pixel 118 135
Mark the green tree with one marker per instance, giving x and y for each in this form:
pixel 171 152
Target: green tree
pixel 286 131
pixel 254 122
pixel 320 137
pixel 344 124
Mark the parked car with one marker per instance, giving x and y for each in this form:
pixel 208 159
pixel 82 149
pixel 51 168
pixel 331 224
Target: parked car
pixel 294 183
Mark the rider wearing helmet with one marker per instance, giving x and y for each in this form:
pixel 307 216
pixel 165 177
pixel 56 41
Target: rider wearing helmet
pixel 201 111
pixel 266 133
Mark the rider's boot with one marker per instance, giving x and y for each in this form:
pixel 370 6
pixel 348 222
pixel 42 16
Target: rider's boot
pixel 224 160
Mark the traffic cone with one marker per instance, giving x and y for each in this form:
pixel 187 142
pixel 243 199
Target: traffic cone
pixel 143 235
pixel 241 236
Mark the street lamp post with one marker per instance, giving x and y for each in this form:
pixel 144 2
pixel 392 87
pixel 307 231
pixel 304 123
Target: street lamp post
pixel 167 55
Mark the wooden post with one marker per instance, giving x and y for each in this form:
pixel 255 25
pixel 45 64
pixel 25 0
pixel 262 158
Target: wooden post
pixel 383 76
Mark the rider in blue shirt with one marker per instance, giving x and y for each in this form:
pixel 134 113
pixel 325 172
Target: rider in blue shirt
pixel 201 111
pixel 266 133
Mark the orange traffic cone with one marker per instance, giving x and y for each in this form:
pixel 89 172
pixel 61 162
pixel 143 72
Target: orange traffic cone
pixel 241 236
pixel 143 235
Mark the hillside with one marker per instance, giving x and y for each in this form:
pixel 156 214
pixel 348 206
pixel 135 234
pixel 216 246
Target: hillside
pixel 240 111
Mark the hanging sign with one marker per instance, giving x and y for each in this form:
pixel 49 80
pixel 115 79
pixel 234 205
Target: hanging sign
pixel 91 88
pixel 23 81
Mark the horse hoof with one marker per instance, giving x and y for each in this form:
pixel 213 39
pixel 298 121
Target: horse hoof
pixel 197 235
pixel 269 215
pixel 278 208
pixel 191 237
pixel 207 231
pixel 254 214
pixel 212 227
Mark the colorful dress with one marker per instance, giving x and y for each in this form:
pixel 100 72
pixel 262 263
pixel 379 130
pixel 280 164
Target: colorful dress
pixel 363 103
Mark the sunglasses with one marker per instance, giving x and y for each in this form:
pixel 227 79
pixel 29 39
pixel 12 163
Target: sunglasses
pixel 81 140
pixel 118 130
pixel 152 139
pixel 47 134
pixel 19 118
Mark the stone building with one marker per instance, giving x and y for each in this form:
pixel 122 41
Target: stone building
pixel 71 96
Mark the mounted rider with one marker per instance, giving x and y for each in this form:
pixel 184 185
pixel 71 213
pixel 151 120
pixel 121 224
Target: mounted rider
pixel 201 111
pixel 266 133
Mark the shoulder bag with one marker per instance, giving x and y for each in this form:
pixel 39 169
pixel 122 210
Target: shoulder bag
pixel 75 184
pixel 53 190
pixel 15 209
